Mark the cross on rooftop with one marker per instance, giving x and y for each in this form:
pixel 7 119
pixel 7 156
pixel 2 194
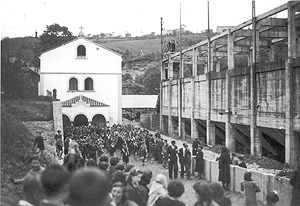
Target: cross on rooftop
pixel 81 32
pixel 81 28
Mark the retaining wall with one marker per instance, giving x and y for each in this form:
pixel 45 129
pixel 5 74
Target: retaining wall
pixel 266 182
pixel 57 116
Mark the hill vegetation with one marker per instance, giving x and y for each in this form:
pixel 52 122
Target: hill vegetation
pixel 17 140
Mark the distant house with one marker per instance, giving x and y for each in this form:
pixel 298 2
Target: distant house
pixel 167 32
pixel 135 105
pixel 88 81
pixel 127 35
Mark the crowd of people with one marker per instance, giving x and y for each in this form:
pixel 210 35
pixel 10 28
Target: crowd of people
pixel 102 174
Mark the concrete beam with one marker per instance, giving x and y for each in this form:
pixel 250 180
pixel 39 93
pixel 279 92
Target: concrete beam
pixel 273 34
pixel 276 22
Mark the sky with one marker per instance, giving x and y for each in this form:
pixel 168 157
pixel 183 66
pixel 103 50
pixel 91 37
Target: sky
pixel 20 18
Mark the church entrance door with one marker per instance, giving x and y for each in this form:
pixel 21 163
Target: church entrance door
pixel 80 120
pixel 66 121
pixel 98 119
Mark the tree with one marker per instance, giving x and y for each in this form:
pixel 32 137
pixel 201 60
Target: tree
pixel 55 35
pixel 151 79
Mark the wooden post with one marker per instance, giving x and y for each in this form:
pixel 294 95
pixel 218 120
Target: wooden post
pixel 229 138
pixel 291 140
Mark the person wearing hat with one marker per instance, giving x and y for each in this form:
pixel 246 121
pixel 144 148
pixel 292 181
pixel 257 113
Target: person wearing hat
pixel 285 172
pixel 172 160
pixel 185 161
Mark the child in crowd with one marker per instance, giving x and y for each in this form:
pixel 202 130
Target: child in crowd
pixel 250 187
pixel 285 172
pixel 242 162
pixel 36 170
pixel 143 153
pixel 32 194
pixel 272 198
pixel 55 185
pixel 89 187
pixel 175 190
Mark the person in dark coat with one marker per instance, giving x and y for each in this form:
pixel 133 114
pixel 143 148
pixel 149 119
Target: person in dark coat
pixel 175 191
pixel 224 168
pixel 132 192
pixel 295 182
pixel 142 187
pixel 66 145
pixel 159 148
pixel 195 146
pixel 172 160
pixel 185 161
pixel 199 163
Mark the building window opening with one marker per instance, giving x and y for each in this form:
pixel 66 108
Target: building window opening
pixel 73 84
pixel 88 84
pixel 81 51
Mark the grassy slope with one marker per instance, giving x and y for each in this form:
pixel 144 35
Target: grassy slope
pixel 26 45
pixel 16 142
pixel 135 46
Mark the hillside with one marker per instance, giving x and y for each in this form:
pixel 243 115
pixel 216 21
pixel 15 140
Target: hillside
pixel 19 121
pixel 136 47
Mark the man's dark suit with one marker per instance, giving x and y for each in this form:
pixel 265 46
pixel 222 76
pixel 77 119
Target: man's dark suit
pixel 185 162
pixel 172 158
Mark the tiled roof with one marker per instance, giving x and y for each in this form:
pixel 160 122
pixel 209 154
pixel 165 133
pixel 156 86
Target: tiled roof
pixel 139 101
pixel 81 98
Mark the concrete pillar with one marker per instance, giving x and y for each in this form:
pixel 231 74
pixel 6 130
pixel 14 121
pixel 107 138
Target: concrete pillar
pixel 218 65
pixel 183 125
pixel 161 99
pixel 272 53
pixel 211 132
pixel 255 137
pixel 179 107
pixel 194 131
pixel 292 50
pixel 210 127
pixel 229 137
pixel 297 45
pixel 291 140
pixel 170 74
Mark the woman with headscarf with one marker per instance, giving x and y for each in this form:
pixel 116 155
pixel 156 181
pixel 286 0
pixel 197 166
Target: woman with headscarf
pixel 142 187
pixel 250 187
pixel 132 192
pixel 199 163
pixel 157 189
pixel 118 195
pixel 224 168
pixel 203 195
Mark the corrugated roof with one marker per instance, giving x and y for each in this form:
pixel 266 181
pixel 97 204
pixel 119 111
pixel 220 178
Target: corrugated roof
pixel 139 101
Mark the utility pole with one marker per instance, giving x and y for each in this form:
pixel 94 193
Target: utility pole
pixel 210 129
pixel 180 127
pixel 161 77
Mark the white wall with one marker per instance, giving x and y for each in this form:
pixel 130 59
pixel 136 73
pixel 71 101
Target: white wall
pixel 64 59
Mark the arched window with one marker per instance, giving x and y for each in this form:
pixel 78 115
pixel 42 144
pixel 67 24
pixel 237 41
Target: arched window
pixel 81 51
pixel 73 84
pixel 88 84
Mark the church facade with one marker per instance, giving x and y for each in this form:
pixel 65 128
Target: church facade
pixel 87 78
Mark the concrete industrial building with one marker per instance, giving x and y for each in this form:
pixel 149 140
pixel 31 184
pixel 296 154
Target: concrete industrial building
pixel 256 106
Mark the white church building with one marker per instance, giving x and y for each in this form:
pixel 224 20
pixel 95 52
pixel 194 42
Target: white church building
pixel 87 78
